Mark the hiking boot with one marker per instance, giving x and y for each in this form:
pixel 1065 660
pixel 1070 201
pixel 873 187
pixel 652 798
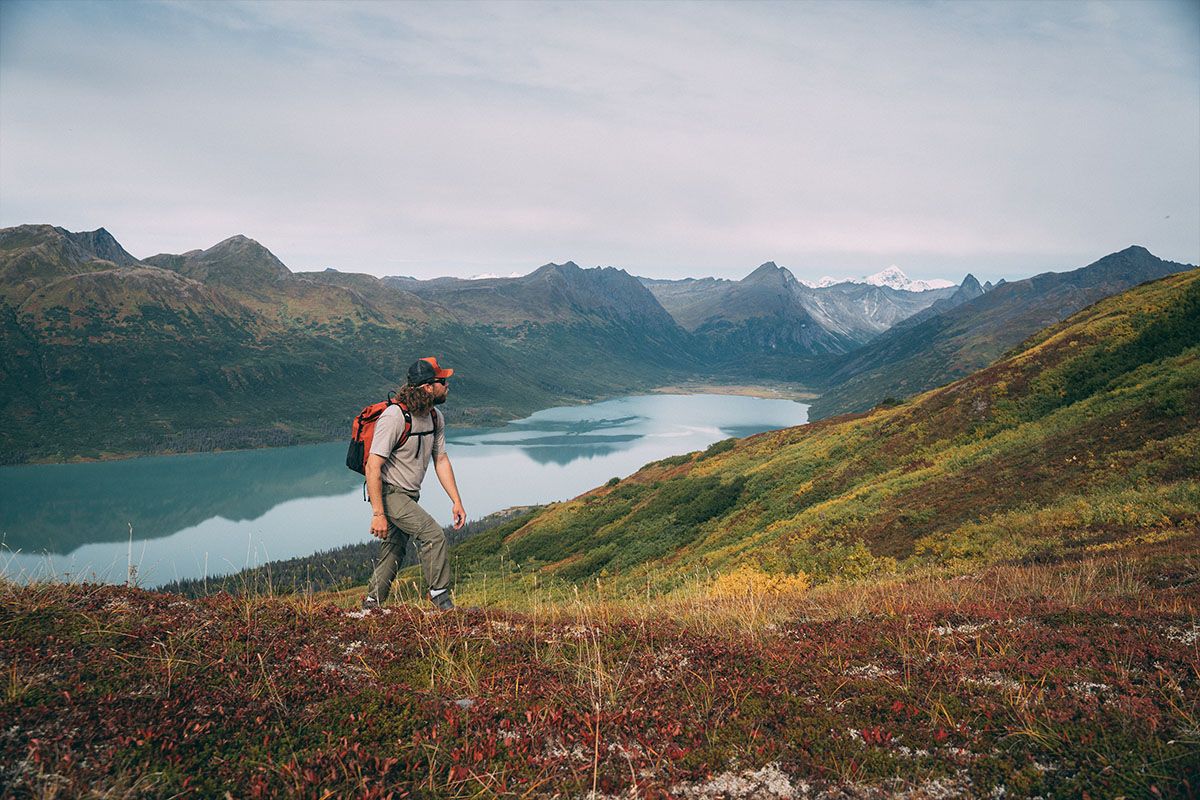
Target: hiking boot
pixel 442 601
pixel 370 603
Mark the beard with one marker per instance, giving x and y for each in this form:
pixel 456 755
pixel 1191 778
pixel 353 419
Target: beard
pixel 415 399
pixel 439 399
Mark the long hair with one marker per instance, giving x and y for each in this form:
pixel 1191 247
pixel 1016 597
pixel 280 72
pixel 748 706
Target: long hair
pixel 415 399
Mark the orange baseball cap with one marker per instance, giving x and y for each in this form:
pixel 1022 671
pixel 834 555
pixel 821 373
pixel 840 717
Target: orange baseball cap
pixel 425 370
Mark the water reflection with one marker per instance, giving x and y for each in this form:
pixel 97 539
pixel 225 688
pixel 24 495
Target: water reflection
pixel 58 507
pixel 215 513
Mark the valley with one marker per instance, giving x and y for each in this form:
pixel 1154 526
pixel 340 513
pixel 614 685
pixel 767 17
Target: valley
pixel 108 356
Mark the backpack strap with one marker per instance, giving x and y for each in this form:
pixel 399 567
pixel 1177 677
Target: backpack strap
pixel 437 421
pixel 407 424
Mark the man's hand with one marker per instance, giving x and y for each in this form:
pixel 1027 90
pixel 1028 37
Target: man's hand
pixel 445 474
pixel 379 523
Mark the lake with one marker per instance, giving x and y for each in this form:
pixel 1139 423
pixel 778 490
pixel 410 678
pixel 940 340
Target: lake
pixel 215 513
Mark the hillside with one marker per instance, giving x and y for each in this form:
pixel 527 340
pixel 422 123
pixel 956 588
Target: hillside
pixel 37 254
pixel 1084 439
pixel 1049 681
pixel 912 358
pixel 104 355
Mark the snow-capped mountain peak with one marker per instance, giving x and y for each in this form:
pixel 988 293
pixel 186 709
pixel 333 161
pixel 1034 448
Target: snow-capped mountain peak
pixel 895 278
pixel 892 277
pixel 825 281
pixel 483 276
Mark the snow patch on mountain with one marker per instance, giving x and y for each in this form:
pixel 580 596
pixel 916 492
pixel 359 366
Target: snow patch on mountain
pixel 483 276
pixel 892 277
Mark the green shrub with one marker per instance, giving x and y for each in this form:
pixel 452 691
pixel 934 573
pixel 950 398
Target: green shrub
pixel 716 448
pixel 673 461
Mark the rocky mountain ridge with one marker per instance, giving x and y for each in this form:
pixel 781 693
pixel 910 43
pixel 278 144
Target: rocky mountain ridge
pixel 225 347
pixel 968 335
pixel 771 311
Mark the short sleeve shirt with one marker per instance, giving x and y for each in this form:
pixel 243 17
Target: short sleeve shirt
pixel 405 466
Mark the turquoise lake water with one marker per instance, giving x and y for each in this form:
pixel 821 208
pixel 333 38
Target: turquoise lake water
pixel 215 513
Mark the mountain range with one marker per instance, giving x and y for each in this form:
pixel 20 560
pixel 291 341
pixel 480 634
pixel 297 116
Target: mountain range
pixel 974 328
pixel 105 354
pixel 770 311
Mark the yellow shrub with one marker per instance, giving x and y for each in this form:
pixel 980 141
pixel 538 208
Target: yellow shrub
pixel 1151 537
pixel 751 581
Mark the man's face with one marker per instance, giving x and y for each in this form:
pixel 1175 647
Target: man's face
pixel 439 389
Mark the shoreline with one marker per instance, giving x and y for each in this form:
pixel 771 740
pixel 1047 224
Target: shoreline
pixel 766 391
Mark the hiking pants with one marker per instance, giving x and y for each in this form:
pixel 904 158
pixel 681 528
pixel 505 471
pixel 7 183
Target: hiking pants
pixel 408 520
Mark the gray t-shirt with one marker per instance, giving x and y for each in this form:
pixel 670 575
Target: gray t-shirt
pixel 406 466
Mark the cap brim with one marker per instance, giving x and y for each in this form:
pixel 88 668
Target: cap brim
pixel 443 373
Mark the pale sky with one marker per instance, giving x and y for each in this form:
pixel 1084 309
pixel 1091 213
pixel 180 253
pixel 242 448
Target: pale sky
pixel 665 138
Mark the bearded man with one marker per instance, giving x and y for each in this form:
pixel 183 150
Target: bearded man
pixel 394 476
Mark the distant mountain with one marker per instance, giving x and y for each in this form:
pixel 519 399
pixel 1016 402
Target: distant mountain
pixel 603 320
pixel 760 313
pixel 893 277
pixel 33 255
pixel 236 261
pixel 970 335
pixel 551 293
pixel 769 311
pixel 968 290
pixel 864 310
pixel 486 275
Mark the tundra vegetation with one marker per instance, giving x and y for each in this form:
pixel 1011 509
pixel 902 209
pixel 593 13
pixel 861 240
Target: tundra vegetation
pixel 988 590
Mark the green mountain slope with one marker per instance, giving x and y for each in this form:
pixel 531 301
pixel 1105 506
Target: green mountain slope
pixel 101 354
pixel 32 255
pixel 1085 438
pixel 912 358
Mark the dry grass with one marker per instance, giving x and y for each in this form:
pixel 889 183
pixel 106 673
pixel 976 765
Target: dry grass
pixel 749 602
pixel 858 685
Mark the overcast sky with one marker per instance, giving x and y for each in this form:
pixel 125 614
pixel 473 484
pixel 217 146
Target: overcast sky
pixel 668 139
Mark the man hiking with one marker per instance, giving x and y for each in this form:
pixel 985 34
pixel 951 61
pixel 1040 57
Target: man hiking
pixel 394 476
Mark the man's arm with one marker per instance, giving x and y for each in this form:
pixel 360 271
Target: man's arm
pixel 379 523
pixel 445 474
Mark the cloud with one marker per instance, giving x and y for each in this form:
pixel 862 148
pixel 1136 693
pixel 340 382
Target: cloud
pixel 663 138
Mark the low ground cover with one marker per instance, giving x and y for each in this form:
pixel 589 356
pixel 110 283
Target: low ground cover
pixel 1066 679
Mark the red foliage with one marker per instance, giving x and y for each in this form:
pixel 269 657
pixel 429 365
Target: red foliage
pixel 264 699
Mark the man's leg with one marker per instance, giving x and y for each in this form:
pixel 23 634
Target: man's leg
pixel 404 513
pixel 391 556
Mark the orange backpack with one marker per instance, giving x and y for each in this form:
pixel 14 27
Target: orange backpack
pixel 362 430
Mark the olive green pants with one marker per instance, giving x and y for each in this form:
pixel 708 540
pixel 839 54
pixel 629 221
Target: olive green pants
pixel 408 520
